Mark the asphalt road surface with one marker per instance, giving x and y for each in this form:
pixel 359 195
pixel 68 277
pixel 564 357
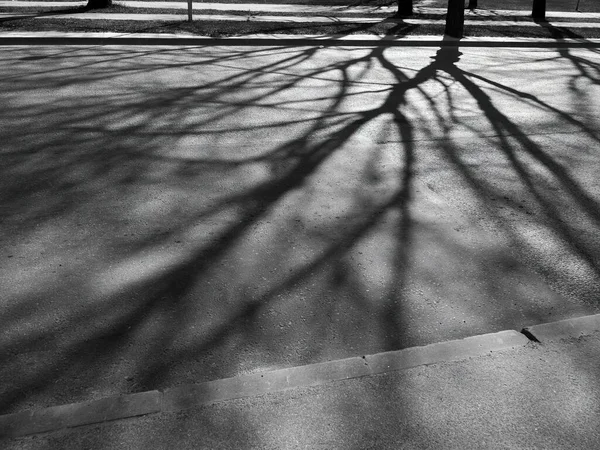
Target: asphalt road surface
pixel 174 215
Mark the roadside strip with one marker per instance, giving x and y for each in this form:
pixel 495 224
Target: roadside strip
pixel 305 19
pixel 296 9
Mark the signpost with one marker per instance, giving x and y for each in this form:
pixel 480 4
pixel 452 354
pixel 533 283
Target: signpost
pixel 189 10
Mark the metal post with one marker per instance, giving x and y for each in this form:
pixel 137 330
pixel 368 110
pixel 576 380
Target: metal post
pixel 189 10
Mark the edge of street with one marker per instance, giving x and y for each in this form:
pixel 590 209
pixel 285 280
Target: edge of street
pixel 190 396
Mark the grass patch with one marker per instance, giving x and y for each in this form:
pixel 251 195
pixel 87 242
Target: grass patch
pixel 227 29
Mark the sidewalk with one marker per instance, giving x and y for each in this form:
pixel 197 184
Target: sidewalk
pixel 490 391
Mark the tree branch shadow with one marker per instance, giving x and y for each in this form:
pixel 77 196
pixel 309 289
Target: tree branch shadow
pixel 148 316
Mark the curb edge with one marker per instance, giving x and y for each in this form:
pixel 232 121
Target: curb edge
pixel 188 396
pixel 564 329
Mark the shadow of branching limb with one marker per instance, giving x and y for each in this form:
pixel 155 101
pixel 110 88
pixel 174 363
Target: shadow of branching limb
pixel 181 216
pixel 504 127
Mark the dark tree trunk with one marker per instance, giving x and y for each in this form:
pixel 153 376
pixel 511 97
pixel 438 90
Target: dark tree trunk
pixel 472 4
pixel 97 4
pixel 405 7
pixel 538 12
pixel 455 18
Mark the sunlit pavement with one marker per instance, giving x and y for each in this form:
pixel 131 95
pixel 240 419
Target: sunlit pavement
pixel 177 215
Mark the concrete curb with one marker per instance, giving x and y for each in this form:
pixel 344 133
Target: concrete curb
pixel 76 414
pixel 316 374
pixel 264 40
pixel 564 329
pixel 188 396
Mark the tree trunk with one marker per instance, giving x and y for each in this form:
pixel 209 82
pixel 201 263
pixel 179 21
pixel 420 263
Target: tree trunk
pixel 472 4
pixel 538 11
pixel 97 4
pixel 455 18
pixel 405 7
